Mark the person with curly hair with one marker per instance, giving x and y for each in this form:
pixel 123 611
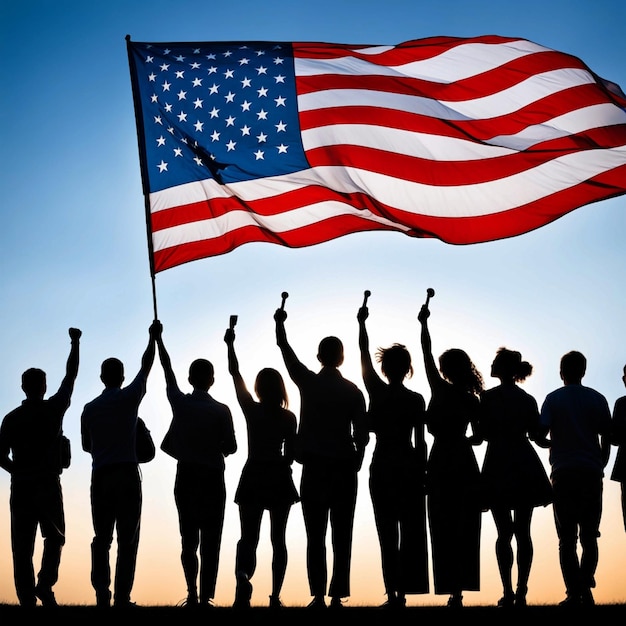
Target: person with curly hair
pixel 452 473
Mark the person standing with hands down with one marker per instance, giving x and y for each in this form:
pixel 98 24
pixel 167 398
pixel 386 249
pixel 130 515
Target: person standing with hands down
pixel 330 445
pixel 30 436
pixel 266 481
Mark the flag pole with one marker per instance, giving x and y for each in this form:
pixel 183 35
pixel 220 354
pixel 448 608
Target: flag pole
pixel 144 175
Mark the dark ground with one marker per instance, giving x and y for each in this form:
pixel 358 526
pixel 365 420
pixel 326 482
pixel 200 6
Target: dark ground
pixel 535 615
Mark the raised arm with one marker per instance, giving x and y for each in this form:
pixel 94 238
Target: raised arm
pixel 243 395
pixel 71 368
pixel 166 363
pixel 367 367
pixel 432 373
pixel 289 356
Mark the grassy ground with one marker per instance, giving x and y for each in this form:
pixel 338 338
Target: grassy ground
pixel 536 615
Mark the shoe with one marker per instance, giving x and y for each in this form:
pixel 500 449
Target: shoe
pixel 275 602
pixel 520 601
pixel 126 604
pixel 455 602
pixel 206 604
pixel 571 602
pixel 335 603
pixel 46 595
pixel 190 602
pixel 317 603
pixel 243 593
pixel 586 598
pixel 394 603
pixel 506 602
pixel 103 599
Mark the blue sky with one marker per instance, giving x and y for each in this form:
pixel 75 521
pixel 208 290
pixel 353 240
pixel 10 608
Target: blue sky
pixel 73 250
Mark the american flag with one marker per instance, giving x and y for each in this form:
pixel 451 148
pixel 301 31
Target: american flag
pixel 464 140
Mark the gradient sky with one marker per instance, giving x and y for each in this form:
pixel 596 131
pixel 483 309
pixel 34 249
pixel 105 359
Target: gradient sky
pixel 73 252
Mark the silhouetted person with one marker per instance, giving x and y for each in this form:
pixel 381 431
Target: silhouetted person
pixel 618 438
pixel 398 469
pixel 108 426
pixel 200 436
pixel 514 479
pixel 29 451
pixel 578 421
pixel 330 444
pixel 452 474
pixel 266 482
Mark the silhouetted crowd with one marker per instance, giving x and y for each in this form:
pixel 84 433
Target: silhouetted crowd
pixel 414 490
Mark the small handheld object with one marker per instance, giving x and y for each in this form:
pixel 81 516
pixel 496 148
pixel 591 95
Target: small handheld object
pixel 284 295
pixel 366 294
pixel 233 321
pixel 430 292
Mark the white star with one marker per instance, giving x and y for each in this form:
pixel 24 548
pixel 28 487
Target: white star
pixel 279 79
pixel 278 61
pixel 170 130
pixel 214 112
pixel 198 160
pixel 182 116
pixel 246 106
pixel 197 82
pixel 182 95
pixel 180 74
pixel 262 92
pixel 152 77
pixel 245 82
pixel 262 138
pixel 280 101
pixel 230 97
pixel 210 56
pixel 231 145
pixel 230 121
pixel 197 103
pixel 180 58
pixel 166 51
pixel 168 107
pixel 195 65
pixel 165 67
pixel 244 61
pixel 215 136
pixel 157 120
pixel 154 98
pixel 261 70
pixel 281 127
pixel 166 86
pixel 198 126
pixel 282 149
pixel 259 155
pixel 228 53
pixel 212 70
pixel 161 141
pixel 260 53
pixel 213 89
pixel 262 115
pixel 178 152
pixel 149 59
pixel 229 73
pixel 162 166
pixel 245 130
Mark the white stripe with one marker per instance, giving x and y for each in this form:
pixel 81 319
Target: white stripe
pixel 441 148
pixel 462 201
pixel 453 65
pixel 498 104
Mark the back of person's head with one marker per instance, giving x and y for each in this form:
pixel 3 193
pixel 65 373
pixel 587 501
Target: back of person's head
pixel 395 362
pixel 456 367
pixel 34 383
pixel 201 374
pixel 269 387
pixel 330 352
pixel 573 367
pixel 508 365
pixel 112 372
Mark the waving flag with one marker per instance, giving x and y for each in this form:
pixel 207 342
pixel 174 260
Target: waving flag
pixel 465 140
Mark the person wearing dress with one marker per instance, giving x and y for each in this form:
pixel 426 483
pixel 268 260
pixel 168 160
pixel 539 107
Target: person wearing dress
pixel 452 473
pixel 618 438
pixel 396 416
pixel 514 480
pixel 266 482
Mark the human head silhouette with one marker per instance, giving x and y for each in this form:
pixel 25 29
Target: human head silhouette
pixel 457 368
pixel 573 367
pixel 330 352
pixel 34 383
pixel 112 373
pixel 201 374
pixel 395 362
pixel 269 387
pixel 508 365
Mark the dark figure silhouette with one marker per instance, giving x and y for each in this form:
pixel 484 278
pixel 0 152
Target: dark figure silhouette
pixel 514 479
pixel 397 416
pixel 618 438
pixel 29 451
pixel 452 474
pixel 108 425
pixel 200 436
pixel 266 481
pixel 330 444
pixel 578 421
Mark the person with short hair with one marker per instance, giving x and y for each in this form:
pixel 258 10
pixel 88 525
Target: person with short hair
pixel 29 451
pixel 578 422
pixel 108 432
